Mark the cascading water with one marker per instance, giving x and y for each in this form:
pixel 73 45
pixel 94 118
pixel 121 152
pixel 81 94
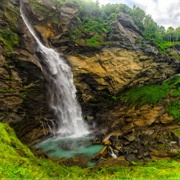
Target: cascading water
pixel 62 90
pixel 111 152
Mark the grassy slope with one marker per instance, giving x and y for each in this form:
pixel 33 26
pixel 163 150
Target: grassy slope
pixel 152 94
pixel 16 161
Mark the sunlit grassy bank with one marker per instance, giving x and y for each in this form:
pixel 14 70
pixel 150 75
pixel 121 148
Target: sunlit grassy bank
pixel 152 94
pixel 16 161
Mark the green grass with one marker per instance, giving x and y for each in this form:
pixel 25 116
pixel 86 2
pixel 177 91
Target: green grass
pixel 94 41
pixel 17 161
pixel 151 94
pixel 176 92
pixel 164 45
pixel 173 109
pixel 151 170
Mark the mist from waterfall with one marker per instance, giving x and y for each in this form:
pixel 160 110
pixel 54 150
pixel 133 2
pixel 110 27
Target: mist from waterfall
pixel 62 90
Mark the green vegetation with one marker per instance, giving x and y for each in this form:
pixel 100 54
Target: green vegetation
pixel 152 94
pixel 152 170
pixel 94 22
pixel 164 45
pixel 42 9
pixel 176 58
pixel 176 92
pixel 176 132
pixel 173 109
pixel 17 161
pixel 7 91
pixel 9 39
pixel 11 14
pixel 8 35
pixel 177 155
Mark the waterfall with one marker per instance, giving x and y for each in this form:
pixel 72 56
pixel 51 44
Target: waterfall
pixel 62 90
pixel 111 152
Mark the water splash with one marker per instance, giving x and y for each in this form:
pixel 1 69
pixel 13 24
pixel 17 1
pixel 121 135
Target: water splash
pixel 111 152
pixel 61 88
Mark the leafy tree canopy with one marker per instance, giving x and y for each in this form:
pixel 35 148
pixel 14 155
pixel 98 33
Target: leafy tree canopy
pixel 95 21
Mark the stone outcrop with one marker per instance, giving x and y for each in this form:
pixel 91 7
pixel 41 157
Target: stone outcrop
pixel 23 102
pixel 124 32
pixel 113 69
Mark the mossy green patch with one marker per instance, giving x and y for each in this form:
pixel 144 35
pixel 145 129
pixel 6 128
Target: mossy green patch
pixel 176 92
pixel 164 45
pixel 176 58
pixel 173 109
pixel 7 91
pixel 152 94
pixel 9 39
pixel 94 41
pixel 12 14
pixel 176 132
pixel 39 7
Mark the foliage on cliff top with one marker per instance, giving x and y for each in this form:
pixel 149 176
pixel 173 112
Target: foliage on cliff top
pixel 94 21
pixel 17 161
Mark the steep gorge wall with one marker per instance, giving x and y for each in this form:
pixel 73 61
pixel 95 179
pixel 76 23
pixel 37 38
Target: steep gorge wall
pixel 23 93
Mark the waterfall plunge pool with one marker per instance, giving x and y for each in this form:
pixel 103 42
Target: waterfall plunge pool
pixel 69 147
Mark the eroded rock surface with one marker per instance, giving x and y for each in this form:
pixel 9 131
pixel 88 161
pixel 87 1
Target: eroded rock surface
pixel 23 93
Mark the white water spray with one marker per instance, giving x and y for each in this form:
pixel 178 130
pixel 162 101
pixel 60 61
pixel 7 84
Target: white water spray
pixel 113 155
pixel 62 90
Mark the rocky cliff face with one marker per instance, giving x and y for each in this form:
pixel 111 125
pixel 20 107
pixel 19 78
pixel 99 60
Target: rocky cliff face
pixel 22 88
pixel 101 75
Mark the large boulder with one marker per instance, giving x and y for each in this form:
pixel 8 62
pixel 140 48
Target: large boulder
pixel 124 32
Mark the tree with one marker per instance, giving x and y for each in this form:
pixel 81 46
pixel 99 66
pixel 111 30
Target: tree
pixel 170 36
pixel 177 34
pixel 151 30
pixel 162 31
pixel 138 16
